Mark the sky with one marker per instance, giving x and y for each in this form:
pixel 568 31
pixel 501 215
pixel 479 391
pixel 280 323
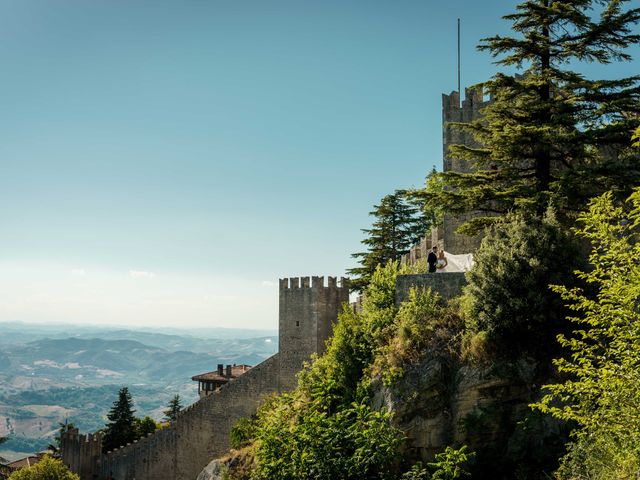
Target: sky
pixel 163 163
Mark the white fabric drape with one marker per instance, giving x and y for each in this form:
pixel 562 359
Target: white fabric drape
pixel 457 263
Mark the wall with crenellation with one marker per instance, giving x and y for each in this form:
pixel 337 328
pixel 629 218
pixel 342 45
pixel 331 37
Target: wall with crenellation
pixel 200 433
pixel 308 310
pixel 453 111
pixel 81 452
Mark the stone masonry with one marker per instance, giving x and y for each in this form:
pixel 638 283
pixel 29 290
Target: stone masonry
pixel 307 312
pixel 470 111
pixel 448 285
pixel 308 309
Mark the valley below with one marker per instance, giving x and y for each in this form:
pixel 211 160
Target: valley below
pixel 55 374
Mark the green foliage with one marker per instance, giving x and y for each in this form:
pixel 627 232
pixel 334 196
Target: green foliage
pixel 602 390
pixel 423 324
pixel 448 465
pixel 327 428
pixel 354 443
pixel 476 347
pixel 417 472
pixel 636 138
pixel 508 287
pixel 429 197
pixel 335 378
pixel 46 469
pixel 551 136
pixel 173 408
pixel 399 224
pixel 121 428
pixel 144 426
pixel 242 432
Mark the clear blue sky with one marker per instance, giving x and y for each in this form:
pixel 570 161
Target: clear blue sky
pixel 164 162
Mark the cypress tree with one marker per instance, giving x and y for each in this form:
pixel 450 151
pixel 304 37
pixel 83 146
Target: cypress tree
pixel 551 136
pixel 121 428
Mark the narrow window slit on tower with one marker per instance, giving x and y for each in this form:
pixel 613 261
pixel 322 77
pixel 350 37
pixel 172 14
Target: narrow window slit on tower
pixel 297 323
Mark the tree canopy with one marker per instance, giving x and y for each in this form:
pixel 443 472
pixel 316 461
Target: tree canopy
pixel 399 223
pixel 173 408
pixel 46 469
pixel 121 428
pixel 601 393
pixel 551 136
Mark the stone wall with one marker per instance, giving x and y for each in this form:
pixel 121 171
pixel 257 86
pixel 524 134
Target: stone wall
pixel 199 434
pixel 452 111
pixel 447 285
pixel 81 453
pixel 308 309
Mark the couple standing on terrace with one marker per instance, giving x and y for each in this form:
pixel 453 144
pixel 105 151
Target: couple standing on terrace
pixel 437 260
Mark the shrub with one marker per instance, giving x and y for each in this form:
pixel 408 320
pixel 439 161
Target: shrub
pixel 602 391
pixel 423 324
pixel 508 287
pixel 242 433
pixel 46 469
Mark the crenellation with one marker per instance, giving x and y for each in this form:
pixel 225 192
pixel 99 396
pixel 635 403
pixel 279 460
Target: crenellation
pixel 309 307
pixel 454 111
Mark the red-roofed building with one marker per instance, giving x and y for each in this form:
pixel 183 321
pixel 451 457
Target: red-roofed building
pixel 25 462
pixel 211 381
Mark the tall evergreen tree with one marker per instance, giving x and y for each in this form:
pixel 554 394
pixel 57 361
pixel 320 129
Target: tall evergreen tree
pixel 551 136
pixel 399 223
pixel 173 408
pixel 121 428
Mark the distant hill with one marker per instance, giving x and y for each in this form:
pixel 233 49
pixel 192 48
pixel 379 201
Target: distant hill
pixel 51 374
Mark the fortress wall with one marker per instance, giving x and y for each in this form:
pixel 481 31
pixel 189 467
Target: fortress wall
pixel 200 433
pixel 447 285
pixel 81 453
pixel 308 309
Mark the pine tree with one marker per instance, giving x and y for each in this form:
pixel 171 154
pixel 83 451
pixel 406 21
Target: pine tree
pixel 551 136
pixel 173 409
pixel 399 224
pixel 121 427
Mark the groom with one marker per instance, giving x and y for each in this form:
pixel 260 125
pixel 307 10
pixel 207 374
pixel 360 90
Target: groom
pixel 432 259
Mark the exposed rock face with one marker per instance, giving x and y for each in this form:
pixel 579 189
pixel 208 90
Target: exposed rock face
pixel 213 471
pixel 440 403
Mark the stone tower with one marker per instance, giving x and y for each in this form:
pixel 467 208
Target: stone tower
pixel 308 310
pixel 452 112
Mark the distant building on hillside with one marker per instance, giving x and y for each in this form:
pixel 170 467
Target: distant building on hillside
pixel 26 462
pixel 211 381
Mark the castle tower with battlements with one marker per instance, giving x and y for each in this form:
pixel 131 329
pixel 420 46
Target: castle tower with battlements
pixel 453 111
pixel 308 309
